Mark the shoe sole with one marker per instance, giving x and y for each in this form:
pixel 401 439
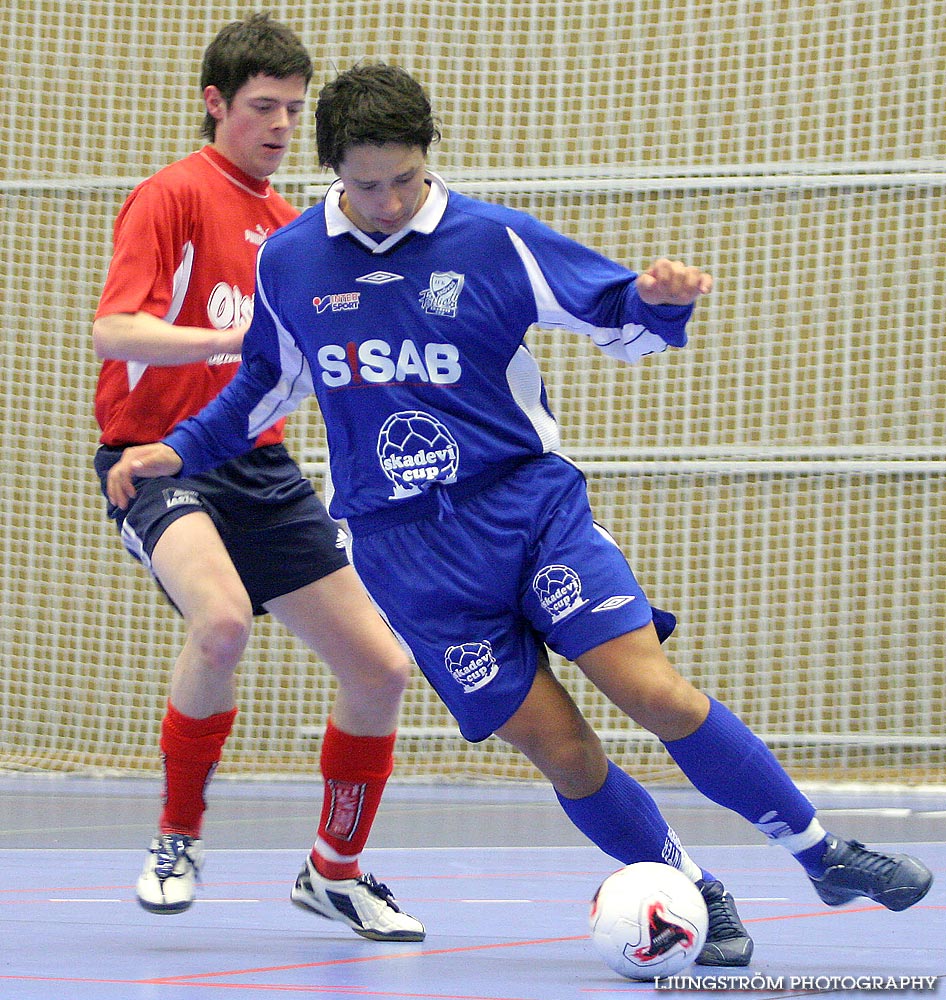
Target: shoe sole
pixel 396 936
pixel 738 963
pixel 722 962
pixel 896 902
pixel 162 908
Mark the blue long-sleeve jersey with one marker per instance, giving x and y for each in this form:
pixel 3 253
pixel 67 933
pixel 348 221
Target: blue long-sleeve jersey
pixel 415 345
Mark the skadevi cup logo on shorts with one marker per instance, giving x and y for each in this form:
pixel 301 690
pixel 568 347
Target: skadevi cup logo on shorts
pixel 472 664
pixel 414 449
pixel 558 589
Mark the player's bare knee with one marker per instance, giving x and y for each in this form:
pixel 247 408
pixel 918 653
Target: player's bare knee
pixel 670 709
pixel 569 755
pixel 379 682
pixel 221 637
pixel 385 682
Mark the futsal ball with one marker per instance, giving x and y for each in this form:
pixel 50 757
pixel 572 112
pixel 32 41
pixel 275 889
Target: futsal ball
pixel 648 920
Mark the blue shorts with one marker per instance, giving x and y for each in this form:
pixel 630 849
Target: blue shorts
pixel 476 590
pixel 275 529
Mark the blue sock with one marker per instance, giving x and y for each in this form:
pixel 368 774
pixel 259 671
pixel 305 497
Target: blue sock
pixel 812 859
pixel 731 766
pixel 623 820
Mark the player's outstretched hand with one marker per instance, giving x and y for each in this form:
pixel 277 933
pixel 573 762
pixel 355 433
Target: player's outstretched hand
pixel 672 283
pixel 146 461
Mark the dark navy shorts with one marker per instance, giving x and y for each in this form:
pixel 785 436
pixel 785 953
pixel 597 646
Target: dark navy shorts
pixel 477 588
pixel 276 530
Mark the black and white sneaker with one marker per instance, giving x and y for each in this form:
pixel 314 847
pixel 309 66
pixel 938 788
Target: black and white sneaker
pixel 368 907
pixel 168 882
pixel 851 870
pixel 727 943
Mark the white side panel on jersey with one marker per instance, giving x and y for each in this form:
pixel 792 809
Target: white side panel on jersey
pixel 182 280
pixel 294 386
pixel 525 384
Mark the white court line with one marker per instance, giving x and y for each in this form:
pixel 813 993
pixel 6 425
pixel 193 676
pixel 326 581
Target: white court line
pixel 472 849
pixel 77 900
pixel 129 900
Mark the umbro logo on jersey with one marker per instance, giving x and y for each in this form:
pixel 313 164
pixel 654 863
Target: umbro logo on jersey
pixel 612 603
pixel 380 278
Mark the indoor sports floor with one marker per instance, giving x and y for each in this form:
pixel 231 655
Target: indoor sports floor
pixel 499 877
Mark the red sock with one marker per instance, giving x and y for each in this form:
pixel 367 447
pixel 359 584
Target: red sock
pixel 355 770
pixel 191 749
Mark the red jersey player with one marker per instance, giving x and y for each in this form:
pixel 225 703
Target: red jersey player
pixel 250 537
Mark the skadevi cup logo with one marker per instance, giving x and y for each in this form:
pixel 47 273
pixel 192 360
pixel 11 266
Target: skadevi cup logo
pixel 472 664
pixel 414 449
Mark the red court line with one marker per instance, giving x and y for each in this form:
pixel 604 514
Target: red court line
pixel 833 912
pixel 204 979
pixel 342 990
pixel 423 953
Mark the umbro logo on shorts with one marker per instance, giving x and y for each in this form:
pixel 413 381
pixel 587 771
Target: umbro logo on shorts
pixel 612 603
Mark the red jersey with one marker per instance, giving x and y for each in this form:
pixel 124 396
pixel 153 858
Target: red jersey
pixel 185 246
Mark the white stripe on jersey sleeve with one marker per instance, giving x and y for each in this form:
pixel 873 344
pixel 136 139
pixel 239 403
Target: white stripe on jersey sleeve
pixel 179 287
pixel 629 343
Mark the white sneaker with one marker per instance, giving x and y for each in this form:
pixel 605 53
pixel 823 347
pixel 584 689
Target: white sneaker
pixel 168 882
pixel 365 905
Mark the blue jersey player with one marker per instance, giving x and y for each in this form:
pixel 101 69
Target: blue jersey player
pixel 404 307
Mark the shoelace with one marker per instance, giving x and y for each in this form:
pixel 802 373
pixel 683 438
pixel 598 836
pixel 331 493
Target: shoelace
pixel 167 857
pixel 722 920
pixel 380 890
pixel 871 861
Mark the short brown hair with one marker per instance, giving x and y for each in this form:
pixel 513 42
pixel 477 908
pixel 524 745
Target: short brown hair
pixel 244 49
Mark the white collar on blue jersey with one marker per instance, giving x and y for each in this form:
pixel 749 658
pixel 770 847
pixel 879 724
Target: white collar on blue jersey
pixel 425 221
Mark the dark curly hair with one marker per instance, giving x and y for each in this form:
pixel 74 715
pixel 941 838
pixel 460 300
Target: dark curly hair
pixel 375 104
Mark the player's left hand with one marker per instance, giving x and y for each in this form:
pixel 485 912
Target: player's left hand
pixel 672 283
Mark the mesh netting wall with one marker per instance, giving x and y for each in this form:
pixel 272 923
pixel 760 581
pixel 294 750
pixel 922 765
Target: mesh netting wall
pixel 778 484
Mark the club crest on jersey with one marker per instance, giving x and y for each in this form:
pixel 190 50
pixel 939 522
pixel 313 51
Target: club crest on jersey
pixel 440 298
pixel 415 449
pixel 558 589
pixel 472 665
